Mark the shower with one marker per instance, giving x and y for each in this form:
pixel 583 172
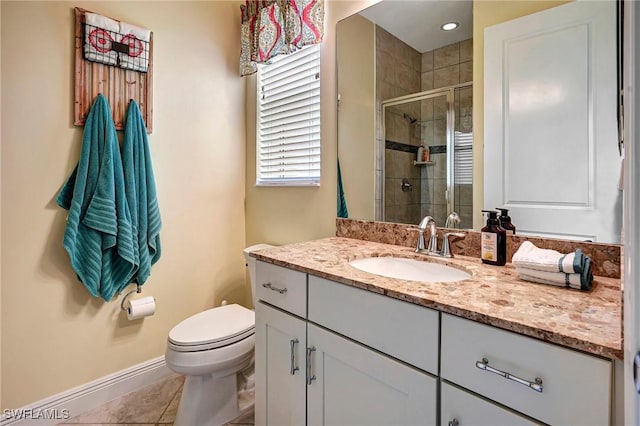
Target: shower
pixel 439 121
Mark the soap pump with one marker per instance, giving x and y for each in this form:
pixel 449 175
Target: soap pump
pixel 493 241
pixel 505 221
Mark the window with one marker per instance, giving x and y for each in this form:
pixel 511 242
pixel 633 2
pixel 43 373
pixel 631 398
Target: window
pixel 288 145
pixel 463 158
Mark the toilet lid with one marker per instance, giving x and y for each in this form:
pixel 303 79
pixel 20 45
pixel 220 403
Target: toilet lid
pixel 214 327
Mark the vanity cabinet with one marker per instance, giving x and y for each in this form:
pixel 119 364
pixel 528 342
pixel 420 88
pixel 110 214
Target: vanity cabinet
pixel 332 354
pixel 303 366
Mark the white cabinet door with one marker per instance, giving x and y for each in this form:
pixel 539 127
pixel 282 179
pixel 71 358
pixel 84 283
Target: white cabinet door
pixel 460 408
pixel 280 368
pixel 353 385
pixel 550 139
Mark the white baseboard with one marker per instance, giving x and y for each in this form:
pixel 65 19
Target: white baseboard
pixel 70 403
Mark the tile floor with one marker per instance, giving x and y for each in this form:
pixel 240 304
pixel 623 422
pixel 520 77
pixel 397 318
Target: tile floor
pixel 154 405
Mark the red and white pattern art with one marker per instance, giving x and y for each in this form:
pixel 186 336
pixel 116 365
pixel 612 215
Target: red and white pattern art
pixel 102 35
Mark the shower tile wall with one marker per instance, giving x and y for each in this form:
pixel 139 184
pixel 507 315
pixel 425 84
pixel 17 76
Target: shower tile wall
pixel 398 71
pixel 443 67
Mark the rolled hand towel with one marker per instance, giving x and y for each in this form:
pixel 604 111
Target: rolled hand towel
pixel 532 257
pixel 99 35
pixel 579 281
pixel 138 41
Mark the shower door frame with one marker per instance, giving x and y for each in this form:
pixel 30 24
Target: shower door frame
pixel 449 93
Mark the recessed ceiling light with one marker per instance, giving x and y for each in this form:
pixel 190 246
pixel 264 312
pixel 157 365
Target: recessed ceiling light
pixel 449 26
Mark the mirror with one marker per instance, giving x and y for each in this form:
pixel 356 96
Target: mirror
pixel 394 96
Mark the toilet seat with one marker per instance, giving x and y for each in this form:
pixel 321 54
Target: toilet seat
pixel 213 328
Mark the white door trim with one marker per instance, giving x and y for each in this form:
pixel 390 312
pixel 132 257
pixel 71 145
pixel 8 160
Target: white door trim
pixel 631 265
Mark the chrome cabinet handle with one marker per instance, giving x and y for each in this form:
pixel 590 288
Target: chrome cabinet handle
pixel 536 385
pixel 454 422
pixel 310 377
pixel 293 367
pixel 270 287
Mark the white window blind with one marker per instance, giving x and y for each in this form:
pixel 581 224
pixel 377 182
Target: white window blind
pixel 463 158
pixel 288 146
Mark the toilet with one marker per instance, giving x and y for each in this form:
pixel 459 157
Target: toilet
pixel 214 350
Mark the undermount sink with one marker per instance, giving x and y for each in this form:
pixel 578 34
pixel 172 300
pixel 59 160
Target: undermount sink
pixel 409 269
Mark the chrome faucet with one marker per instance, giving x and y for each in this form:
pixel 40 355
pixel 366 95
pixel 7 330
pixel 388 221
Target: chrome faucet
pixel 427 222
pixel 432 248
pixel 452 220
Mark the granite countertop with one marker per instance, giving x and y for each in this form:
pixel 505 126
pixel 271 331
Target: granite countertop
pixel 588 321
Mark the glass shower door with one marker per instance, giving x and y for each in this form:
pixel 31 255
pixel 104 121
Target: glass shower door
pixel 439 182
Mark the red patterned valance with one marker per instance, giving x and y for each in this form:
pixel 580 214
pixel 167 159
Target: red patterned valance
pixel 272 27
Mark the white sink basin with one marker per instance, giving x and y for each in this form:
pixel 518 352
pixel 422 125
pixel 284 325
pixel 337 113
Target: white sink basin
pixel 409 269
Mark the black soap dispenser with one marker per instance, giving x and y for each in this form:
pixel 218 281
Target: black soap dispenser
pixel 505 221
pixel 493 241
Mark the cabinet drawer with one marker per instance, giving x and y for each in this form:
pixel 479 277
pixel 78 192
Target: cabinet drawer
pixel 470 410
pixel 282 287
pixel 576 388
pixel 402 330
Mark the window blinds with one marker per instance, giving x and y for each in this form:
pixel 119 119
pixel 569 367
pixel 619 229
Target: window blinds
pixel 288 149
pixel 463 158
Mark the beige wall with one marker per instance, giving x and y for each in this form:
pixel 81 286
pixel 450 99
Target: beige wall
pixel 357 125
pixel 54 334
pixel 485 14
pixel 284 215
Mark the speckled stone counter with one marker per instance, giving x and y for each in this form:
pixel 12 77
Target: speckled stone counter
pixel 588 321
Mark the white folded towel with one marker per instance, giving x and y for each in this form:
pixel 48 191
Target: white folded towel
pixel 138 41
pixel 532 257
pixel 100 33
pixel 554 278
pixel 579 281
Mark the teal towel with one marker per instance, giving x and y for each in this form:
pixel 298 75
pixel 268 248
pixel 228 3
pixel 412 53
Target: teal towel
pixel 342 202
pixel 99 235
pixel 140 188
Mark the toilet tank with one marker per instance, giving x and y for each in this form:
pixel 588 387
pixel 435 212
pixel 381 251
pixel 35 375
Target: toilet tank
pixel 251 264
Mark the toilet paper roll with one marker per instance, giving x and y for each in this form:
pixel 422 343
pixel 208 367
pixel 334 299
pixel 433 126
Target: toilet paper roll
pixel 140 308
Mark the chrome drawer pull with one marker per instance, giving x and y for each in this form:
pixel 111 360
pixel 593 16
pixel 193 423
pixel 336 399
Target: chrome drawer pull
pixel 310 377
pixel 293 370
pixel 454 422
pixel 536 385
pixel 279 290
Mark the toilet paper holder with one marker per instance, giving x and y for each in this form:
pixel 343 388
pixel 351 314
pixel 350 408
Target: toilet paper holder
pixel 124 299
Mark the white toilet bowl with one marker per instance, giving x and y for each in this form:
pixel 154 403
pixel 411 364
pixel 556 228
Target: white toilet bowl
pixel 211 349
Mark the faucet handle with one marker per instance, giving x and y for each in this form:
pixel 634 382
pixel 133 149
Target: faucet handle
pixel 446 245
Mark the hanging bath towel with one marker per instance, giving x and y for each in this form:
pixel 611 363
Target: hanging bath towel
pixel 99 236
pixel 342 202
pixel 141 191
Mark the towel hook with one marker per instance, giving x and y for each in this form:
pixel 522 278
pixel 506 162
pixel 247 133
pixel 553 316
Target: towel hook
pixel 124 299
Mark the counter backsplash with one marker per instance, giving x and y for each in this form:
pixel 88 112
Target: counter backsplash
pixel 606 258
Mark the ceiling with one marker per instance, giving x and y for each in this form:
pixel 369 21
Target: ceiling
pixel 417 23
